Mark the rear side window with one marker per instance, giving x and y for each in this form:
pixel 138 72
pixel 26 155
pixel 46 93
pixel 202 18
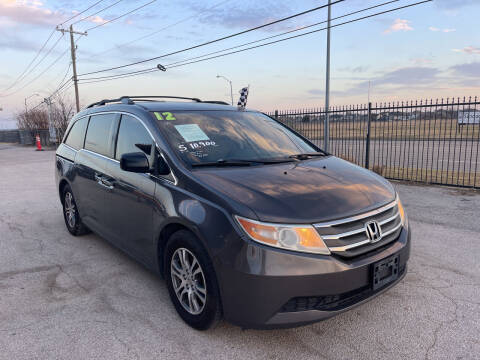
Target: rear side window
pixel 77 134
pixel 98 134
pixel 132 137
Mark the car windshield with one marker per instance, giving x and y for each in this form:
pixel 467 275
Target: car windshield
pixel 204 137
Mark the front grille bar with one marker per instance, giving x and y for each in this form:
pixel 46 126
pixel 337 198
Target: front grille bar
pixel 363 242
pixel 362 228
pixel 356 231
pixel 357 217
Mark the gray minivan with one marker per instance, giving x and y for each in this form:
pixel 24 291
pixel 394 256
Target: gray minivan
pixel 244 218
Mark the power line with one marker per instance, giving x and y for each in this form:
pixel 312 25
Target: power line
pixel 33 68
pixel 96 13
pixel 145 71
pixel 216 40
pixel 300 35
pixel 45 44
pixel 65 76
pixel 81 12
pixel 121 76
pixel 161 29
pixel 281 34
pixel 245 44
pixel 38 76
pixel 31 62
pixel 118 17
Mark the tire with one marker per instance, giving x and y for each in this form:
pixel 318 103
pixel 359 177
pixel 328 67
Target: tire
pixel 199 302
pixel 71 215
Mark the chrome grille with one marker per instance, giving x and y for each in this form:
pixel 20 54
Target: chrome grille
pixel 348 237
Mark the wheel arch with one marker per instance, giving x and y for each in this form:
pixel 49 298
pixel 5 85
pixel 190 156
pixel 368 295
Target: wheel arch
pixel 61 187
pixel 167 231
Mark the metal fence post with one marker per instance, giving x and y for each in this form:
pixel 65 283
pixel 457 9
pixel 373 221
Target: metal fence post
pixel 367 147
pixel 276 114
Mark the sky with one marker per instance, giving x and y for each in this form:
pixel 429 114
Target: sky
pixel 423 52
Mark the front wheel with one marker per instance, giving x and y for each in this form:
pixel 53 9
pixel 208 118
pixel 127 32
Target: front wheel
pixel 191 281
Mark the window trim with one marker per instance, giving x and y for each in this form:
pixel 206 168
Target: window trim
pixel 160 177
pixel 70 130
pixel 110 134
pixel 118 133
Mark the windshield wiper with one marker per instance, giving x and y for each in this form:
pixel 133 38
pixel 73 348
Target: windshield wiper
pixel 223 162
pixel 307 156
pixel 241 162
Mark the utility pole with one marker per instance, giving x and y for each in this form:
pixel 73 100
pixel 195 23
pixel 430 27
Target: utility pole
pixel 74 63
pixel 326 126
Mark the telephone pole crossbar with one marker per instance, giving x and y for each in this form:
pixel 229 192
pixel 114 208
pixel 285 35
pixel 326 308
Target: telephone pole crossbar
pixel 74 63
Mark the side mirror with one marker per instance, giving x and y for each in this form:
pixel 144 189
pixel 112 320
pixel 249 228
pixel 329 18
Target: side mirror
pixel 136 162
pixel 162 166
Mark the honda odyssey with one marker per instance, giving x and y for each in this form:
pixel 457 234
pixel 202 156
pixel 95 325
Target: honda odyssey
pixel 245 219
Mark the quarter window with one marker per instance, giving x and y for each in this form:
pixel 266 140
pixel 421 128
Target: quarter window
pixel 98 134
pixel 77 134
pixel 132 137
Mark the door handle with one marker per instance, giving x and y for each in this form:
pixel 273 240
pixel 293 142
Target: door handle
pixel 107 183
pixel 103 182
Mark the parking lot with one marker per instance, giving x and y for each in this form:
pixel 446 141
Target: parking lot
pixel 63 297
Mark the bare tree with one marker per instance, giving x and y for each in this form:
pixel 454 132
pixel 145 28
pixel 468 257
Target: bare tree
pixel 62 112
pixel 32 119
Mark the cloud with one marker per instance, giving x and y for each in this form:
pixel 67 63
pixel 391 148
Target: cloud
pixel 408 77
pixel 399 25
pixel 97 19
pixel 316 91
pixel 435 29
pixel 30 12
pixel 467 70
pixel 245 14
pixel 468 50
pixel 355 69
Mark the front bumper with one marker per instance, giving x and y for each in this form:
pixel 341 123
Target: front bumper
pixel 268 288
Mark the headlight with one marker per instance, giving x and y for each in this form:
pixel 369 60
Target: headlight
pixel 401 210
pixel 302 238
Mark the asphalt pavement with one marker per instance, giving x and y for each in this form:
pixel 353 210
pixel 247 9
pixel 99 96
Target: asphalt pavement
pixel 65 297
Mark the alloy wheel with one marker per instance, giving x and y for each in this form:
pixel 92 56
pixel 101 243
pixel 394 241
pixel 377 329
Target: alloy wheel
pixel 70 210
pixel 188 281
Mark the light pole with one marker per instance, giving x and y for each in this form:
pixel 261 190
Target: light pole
pixel 28 97
pixel 326 126
pixel 231 88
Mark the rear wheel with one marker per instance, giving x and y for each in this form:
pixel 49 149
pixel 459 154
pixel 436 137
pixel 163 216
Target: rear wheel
pixel 70 213
pixel 191 281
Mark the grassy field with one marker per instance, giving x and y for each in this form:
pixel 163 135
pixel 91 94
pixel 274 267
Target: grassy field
pixel 396 130
pixel 430 176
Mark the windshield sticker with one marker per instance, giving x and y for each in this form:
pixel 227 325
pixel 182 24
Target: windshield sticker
pixel 191 132
pixel 195 145
pixel 164 116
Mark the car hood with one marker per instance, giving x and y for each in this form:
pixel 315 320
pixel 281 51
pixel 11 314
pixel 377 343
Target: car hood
pixel 310 191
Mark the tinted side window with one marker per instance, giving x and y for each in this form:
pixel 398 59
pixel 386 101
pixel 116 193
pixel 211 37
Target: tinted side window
pixel 131 136
pixel 77 134
pixel 98 133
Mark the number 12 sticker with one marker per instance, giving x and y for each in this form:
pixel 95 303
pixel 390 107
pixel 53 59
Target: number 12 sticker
pixel 164 116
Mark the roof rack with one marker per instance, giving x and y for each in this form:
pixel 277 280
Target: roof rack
pixel 128 99
pixel 215 102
